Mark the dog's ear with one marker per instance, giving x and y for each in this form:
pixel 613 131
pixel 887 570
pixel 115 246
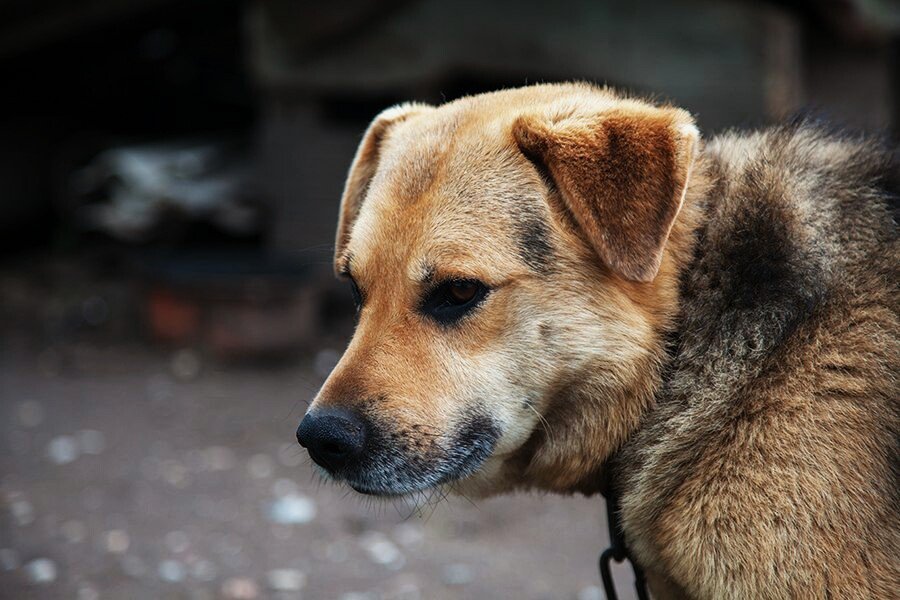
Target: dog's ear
pixel 364 165
pixel 622 173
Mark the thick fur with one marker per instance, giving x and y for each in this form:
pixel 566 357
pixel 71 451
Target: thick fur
pixel 715 326
pixel 769 467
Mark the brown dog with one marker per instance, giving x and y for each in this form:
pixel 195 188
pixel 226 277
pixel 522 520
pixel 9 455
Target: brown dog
pixel 558 286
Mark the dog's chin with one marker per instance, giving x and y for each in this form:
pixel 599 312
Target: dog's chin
pixel 483 482
pixel 423 483
pixel 405 490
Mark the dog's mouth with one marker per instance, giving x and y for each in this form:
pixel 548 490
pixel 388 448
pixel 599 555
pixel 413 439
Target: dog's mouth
pixel 400 462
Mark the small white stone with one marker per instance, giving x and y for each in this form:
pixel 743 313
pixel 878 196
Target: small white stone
pixel 116 541
pixel 240 588
pixel 73 531
pixel 218 458
pixel 292 509
pixel 177 541
pixel 171 571
pixel 261 466
pixel 9 559
pixel 382 550
pixel 457 574
pixel 87 592
pixel 91 441
pixel 31 413
pixel 591 592
pixel 286 580
pixel 41 570
pixel 62 449
pixel 186 364
pixel 409 535
pixel 175 474
pixel 22 511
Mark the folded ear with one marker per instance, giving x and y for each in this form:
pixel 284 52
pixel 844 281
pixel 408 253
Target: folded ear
pixel 622 174
pixel 364 165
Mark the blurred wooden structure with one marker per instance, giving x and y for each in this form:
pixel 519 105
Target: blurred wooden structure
pixel 326 69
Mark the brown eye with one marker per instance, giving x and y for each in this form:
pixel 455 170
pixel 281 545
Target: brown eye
pixel 451 300
pixel 461 292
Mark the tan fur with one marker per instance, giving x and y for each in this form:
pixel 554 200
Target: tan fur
pixel 701 313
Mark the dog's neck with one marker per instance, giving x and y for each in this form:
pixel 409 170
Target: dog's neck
pixel 595 413
pixel 663 300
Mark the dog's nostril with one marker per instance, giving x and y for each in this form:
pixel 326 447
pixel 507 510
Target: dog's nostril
pixel 334 438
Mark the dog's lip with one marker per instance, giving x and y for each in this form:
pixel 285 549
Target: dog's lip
pixel 380 493
pixel 460 471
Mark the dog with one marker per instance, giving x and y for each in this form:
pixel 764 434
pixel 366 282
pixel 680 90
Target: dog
pixel 566 289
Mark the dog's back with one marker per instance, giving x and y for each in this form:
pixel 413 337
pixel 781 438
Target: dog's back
pixel 774 446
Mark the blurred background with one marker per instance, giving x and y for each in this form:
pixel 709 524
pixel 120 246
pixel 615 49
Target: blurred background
pixel 169 181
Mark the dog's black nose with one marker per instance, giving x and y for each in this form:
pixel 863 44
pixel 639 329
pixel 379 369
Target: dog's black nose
pixel 333 437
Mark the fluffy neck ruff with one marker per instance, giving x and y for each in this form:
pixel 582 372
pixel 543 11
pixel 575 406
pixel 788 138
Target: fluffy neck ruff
pixel 600 407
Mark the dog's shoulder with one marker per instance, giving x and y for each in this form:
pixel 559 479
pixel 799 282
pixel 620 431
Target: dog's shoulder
pixel 799 231
pixel 783 368
pixel 798 216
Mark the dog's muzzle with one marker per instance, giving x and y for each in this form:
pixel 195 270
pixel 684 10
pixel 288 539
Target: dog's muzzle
pixel 391 460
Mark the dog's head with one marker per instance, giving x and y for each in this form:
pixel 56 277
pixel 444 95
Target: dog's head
pixel 513 259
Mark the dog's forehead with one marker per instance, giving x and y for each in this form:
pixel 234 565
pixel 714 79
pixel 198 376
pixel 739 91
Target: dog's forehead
pixel 448 189
pixel 411 156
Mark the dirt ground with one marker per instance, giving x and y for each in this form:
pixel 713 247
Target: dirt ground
pixel 133 472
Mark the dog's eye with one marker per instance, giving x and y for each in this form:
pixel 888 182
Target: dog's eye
pixel 462 291
pixel 452 300
pixel 357 295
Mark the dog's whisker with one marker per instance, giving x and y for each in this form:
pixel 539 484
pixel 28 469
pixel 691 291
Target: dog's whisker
pixel 543 421
pixel 456 491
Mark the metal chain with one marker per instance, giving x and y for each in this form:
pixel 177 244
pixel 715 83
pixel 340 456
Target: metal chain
pixel 618 552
